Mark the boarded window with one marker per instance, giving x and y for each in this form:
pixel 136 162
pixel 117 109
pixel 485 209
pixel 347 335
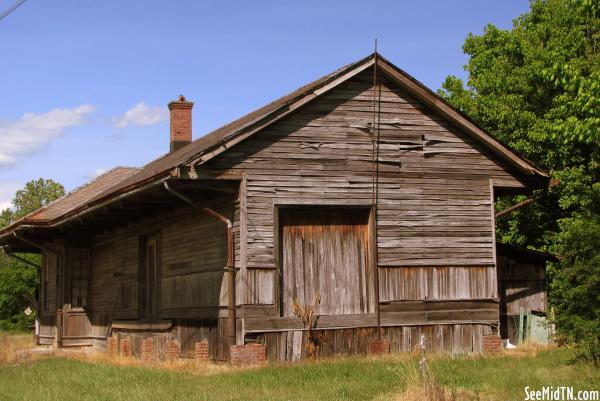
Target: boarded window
pixel 326 251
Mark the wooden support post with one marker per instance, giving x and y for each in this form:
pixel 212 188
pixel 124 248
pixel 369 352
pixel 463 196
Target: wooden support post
pixel 528 324
pixel 59 328
pixel 521 318
pixel 230 288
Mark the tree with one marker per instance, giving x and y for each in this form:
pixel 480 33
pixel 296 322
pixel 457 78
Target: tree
pixel 536 88
pixel 36 194
pixel 18 283
pixel 576 285
pixel 19 280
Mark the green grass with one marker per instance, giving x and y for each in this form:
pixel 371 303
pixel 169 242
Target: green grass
pixel 507 377
pixel 55 378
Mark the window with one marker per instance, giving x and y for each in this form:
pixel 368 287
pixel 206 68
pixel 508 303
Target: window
pixel 45 283
pixel 80 277
pixel 149 275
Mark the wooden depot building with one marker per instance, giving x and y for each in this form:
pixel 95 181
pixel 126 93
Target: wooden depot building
pixel 363 187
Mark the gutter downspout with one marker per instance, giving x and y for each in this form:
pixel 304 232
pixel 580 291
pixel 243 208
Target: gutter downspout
pixel 229 270
pixel 528 201
pixel 519 205
pixel 33 244
pixel 20 259
pixel 375 184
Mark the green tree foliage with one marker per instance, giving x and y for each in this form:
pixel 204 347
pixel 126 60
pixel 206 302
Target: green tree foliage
pixel 18 283
pixel 536 88
pixel 19 280
pixel 37 193
pixel 576 284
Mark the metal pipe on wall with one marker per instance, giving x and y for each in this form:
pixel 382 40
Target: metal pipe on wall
pixel 230 268
pixel 375 185
pixel 20 259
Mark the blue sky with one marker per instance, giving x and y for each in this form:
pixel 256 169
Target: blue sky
pixel 84 84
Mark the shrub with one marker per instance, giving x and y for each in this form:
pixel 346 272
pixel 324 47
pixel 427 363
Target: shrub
pixel 575 285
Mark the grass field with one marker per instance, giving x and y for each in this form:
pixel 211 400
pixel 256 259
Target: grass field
pixel 358 378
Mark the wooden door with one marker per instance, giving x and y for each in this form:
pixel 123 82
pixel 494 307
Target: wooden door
pixel 76 324
pixel 326 251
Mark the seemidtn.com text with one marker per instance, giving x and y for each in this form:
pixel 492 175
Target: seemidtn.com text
pixel 560 393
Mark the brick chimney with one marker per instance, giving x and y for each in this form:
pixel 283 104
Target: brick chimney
pixel 181 122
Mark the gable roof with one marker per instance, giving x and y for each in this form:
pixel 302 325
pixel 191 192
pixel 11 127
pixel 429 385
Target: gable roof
pixel 220 137
pixel 218 141
pixel 212 144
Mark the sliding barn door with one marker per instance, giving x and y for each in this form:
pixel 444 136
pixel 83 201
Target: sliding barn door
pixel 326 252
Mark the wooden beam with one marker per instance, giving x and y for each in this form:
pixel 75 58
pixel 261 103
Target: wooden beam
pixel 404 313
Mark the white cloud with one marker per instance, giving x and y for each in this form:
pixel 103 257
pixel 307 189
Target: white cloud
pixel 96 173
pixel 32 132
pixel 7 193
pixel 142 114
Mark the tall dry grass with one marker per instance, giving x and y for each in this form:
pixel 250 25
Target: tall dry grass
pixel 189 365
pixel 10 344
pixel 425 385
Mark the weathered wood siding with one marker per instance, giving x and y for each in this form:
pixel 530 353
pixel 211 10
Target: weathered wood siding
pixel 48 283
pixel 451 338
pixel 435 223
pixel 435 230
pixel 437 283
pixel 191 261
pixel 192 257
pixel 522 284
pixel 53 273
pixel 47 311
pixel 115 276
